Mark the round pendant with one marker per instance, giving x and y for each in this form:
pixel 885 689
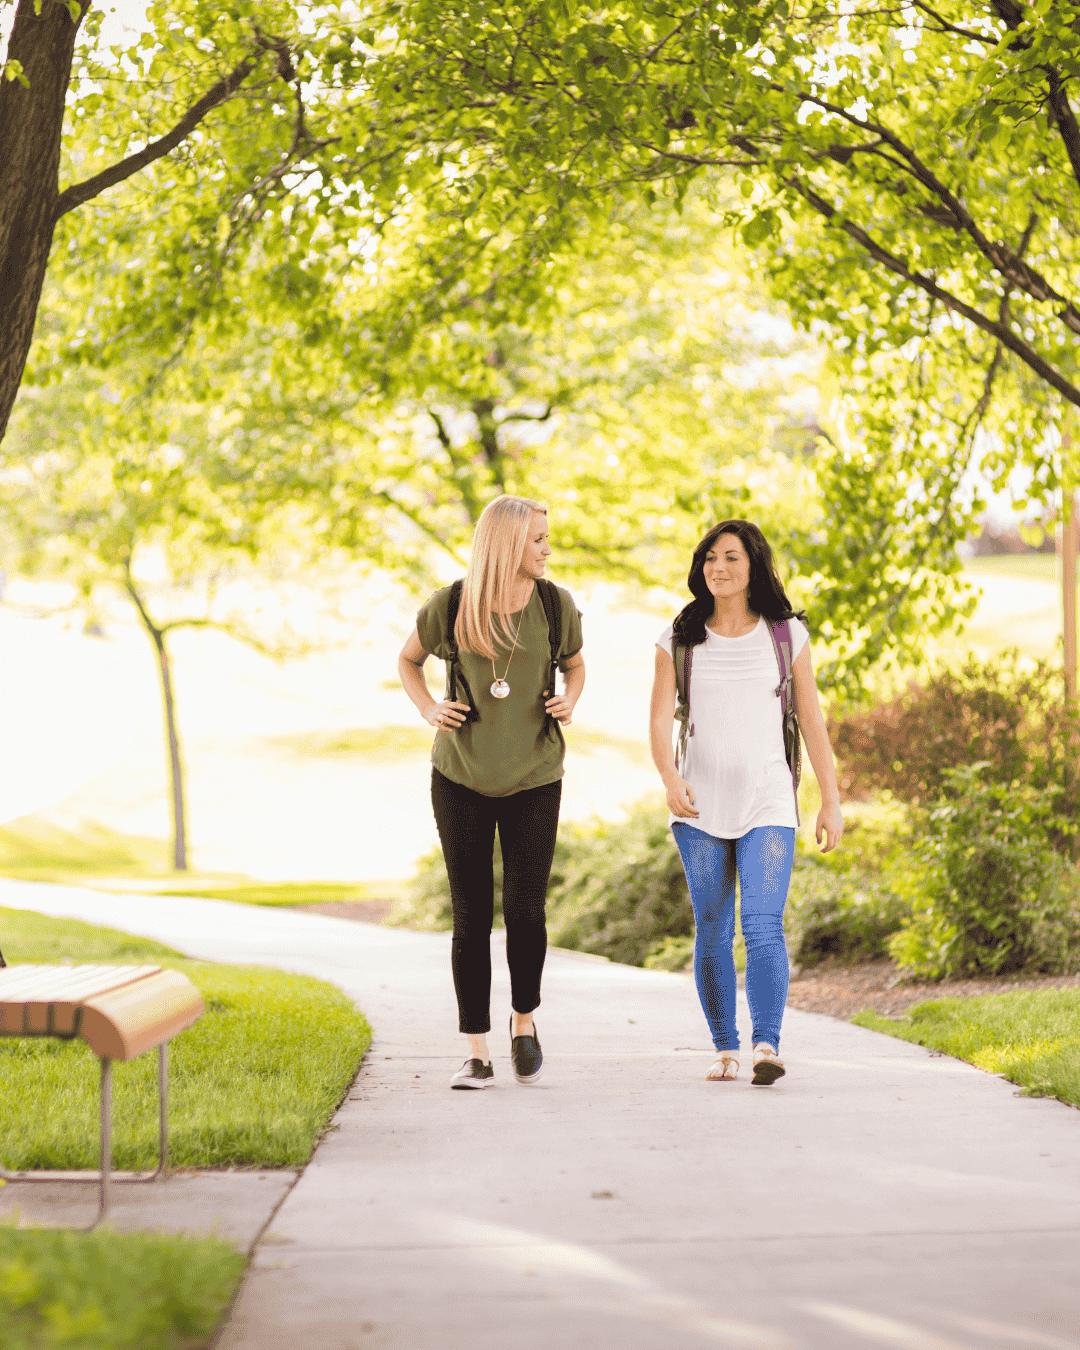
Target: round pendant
pixel 500 689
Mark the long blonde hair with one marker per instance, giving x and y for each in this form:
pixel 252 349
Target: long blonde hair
pixel 497 546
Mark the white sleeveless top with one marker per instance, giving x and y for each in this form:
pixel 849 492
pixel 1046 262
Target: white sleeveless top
pixel 735 759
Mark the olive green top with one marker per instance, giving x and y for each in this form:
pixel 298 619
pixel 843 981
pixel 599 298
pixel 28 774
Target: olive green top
pixel 510 748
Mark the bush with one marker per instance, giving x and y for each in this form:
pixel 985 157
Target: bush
pixel 996 897
pixel 848 904
pixel 622 893
pixel 994 713
pixel 618 890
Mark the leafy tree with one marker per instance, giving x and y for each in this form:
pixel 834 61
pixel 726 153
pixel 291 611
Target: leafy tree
pixel 218 119
pixel 638 401
pixel 118 494
pixel 909 179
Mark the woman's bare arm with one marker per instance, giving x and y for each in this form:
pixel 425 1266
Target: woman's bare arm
pixel 561 706
pixel 680 795
pixel 410 666
pixel 830 821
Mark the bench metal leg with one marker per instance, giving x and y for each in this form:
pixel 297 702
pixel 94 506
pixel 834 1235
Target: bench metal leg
pixel 106 1138
pixel 104 1176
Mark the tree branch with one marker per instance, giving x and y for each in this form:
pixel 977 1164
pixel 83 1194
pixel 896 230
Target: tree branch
pixel 421 525
pixel 996 329
pixel 82 192
pixel 947 27
pixel 528 417
pixel 1011 267
pixel 1065 118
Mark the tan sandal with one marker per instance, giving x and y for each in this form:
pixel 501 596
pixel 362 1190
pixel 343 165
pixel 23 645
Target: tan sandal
pixel 768 1067
pixel 724 1068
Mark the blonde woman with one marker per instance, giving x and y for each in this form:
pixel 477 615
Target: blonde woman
pixel 497 761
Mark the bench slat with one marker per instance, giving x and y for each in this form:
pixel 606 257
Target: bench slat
pixel 124 1022
pixel 125 1009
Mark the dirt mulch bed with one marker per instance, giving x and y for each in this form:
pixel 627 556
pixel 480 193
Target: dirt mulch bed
pixel 842 991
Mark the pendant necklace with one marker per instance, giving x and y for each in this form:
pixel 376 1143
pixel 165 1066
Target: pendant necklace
pixel 500 689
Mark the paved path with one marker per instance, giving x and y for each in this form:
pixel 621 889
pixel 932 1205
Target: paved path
pixel 878 1196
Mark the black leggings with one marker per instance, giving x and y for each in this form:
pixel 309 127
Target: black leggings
pixel 528 823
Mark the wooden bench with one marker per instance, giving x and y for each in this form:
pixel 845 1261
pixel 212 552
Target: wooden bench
pixel 119 1011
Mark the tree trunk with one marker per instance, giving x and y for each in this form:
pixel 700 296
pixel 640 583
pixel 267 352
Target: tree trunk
pixel 31 123
pixel 176 767
pixel 1070 545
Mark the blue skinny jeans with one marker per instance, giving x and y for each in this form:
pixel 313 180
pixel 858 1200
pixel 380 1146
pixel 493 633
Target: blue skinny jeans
pixel 762 861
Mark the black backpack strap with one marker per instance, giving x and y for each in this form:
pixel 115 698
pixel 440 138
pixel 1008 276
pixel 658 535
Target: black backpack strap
pixel 780 632
pixel 454 673
pixel 550 599
pixel 683 658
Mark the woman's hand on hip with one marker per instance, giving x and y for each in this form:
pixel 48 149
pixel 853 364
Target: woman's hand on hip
pixel 830 823
pixel 447 716
pixel 681 800
pixel 559 707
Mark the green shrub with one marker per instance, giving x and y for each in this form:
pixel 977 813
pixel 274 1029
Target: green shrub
pixel 996 713
pixel 996 897
pixel 847 905
pixel 618 890
pixel 621 891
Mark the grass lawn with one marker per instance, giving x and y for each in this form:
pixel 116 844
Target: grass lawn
pixel 32 850
pixel 1030 566
pixel 1030 1036
pixel 252 1083
pixel 290 892
pixel 388 743
pixel 112 1291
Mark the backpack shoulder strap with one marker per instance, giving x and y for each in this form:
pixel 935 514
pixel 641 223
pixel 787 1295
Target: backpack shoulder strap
pixel 454 673
pixel 550 599
pixel 780 632
pixel 452 607
pixel 683 658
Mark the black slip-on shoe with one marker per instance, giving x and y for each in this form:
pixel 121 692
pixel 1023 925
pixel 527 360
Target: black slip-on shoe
pixel 525 1054
pixel 474 1073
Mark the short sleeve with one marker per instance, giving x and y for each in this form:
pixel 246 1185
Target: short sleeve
pixel 800 636
pixel 666 641
pixel 572 640
pixel 431 623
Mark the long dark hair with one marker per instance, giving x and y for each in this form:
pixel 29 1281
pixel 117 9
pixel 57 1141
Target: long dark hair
pixel 765 595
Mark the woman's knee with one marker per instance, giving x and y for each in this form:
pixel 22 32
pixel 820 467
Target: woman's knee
pixel 762 929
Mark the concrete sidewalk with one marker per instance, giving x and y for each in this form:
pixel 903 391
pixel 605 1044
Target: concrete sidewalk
pixel 877 1196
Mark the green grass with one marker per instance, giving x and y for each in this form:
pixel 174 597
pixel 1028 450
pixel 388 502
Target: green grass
pixel 584 740
pixel 388 743
pixel 1031 1037
pixel 381 744
pixel 1030 566
pixel 112 1291
pixel 251 1084
pixel 291 892
pixel 32 850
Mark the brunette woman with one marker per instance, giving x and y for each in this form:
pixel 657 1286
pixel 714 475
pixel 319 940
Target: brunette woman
pixel 498 760
pixel 734 809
